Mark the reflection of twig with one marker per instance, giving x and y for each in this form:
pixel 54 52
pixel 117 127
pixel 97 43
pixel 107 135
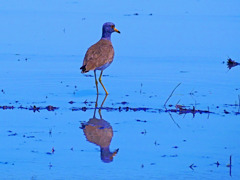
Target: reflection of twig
pixel 238 103
pixel 184 115
pixel 230 166
pixel 171 95
pixel 174 120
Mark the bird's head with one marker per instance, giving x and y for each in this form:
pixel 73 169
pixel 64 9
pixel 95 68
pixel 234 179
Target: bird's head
pixel 109 27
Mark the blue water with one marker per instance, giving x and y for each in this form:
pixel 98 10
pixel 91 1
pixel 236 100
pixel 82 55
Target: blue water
pixel 41 50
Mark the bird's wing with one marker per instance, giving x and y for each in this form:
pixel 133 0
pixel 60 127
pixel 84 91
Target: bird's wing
pixel 98 54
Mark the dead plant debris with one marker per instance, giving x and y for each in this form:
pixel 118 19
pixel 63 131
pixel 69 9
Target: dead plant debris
pixel 231 63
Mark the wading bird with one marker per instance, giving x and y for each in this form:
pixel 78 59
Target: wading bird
pixel 100 55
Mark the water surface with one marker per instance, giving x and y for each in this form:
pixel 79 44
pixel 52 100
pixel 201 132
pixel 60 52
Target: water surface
pixel 45 100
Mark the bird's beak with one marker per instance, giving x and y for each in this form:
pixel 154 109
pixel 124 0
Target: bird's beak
pixel 116 151
pixel 116 30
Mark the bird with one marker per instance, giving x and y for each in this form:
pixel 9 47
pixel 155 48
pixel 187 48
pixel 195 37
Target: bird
pixel 100 55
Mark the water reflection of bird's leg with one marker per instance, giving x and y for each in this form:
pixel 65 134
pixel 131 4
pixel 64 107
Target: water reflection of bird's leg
pixel 94 115
pixel 100 80
pixel 100 114
pixel 99 110
pixel 96 103
pixel 104 100
pixel 96 82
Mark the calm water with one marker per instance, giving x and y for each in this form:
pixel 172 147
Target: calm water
pixel 134 136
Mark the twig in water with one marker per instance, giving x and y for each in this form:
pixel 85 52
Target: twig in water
pixel 192 94
pixel 171 94
pixel 178 102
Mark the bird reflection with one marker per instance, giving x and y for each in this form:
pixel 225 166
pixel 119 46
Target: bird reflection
pixel 100 132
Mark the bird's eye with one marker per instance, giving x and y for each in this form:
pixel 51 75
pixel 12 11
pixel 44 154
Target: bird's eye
pixel 112 26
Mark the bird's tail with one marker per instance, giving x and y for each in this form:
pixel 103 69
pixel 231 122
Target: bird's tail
pixel 83 68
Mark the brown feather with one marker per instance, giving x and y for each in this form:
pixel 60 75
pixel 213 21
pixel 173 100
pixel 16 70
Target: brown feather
pixel 97 55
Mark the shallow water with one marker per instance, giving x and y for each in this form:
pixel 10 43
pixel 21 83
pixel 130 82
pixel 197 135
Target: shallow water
pixel 164 44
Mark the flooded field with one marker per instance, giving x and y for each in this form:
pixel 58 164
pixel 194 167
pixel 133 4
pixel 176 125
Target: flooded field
pixel 52 123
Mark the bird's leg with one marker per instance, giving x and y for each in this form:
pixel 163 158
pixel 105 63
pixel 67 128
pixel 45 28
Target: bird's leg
pixel 96 103
pixel 96 82
pixel 100 80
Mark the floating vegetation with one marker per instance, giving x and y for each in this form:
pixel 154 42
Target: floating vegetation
pixel 184 110
pixel 192 166
pixel 179 109
pixel 137 14
pixel 32 108
pixel 231 63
